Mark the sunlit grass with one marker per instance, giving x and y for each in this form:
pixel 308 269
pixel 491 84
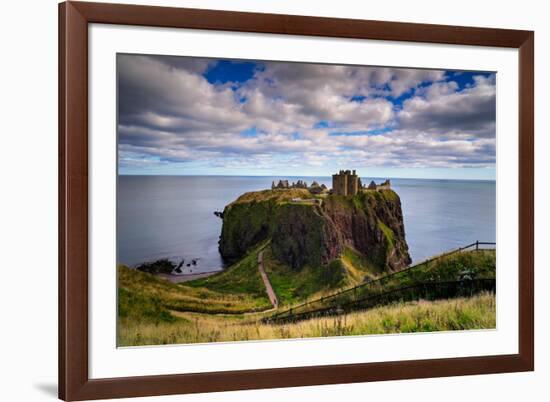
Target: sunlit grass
pixel 477 312
pixel 141 294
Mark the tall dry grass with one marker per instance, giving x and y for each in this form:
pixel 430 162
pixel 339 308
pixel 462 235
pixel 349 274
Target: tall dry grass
pixel 477 312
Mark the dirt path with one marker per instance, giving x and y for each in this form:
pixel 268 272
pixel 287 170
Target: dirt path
pixel 270 292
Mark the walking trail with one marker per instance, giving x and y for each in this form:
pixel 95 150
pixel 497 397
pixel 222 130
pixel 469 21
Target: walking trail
pixel 270 292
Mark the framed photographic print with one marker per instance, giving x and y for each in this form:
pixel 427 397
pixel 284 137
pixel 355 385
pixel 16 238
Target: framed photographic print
pixel 259 200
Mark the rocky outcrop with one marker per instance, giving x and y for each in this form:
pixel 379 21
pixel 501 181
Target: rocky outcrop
pixel 249 220
pixel 314 234
pixel 302 235
pixel 371 222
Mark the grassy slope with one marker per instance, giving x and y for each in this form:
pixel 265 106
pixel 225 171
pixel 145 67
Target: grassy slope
pixel 242 277
pixel 142 295
pixel 478 264
pixel 477 312
pixel 294 286
pixel 359 267
pixel 388 233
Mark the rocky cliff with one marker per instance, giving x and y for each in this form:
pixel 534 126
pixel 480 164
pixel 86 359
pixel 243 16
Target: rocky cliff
pixel 314 232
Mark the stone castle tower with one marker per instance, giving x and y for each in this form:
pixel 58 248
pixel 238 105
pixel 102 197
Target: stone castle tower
pixel 346 183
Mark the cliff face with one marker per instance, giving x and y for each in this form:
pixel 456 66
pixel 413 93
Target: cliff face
pixel 250 220
pixel 371 222
pixel 306 233
pixel 303 235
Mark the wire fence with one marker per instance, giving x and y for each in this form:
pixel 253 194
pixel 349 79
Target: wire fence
pixel 375 289
pixel 424 291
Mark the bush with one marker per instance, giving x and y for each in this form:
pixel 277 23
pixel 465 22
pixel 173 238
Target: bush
pixel 333 274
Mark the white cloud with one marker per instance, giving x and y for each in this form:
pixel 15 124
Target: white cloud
pixel 169 113
pixel 443 110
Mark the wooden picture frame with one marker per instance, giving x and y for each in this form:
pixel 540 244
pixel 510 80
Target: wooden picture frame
pixel 74 381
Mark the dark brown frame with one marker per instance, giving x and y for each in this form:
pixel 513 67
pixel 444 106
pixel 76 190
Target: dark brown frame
pixel 74 383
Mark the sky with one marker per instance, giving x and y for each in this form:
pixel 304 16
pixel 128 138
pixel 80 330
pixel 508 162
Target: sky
pixel 198 116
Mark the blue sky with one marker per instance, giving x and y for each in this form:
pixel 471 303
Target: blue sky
pixel 193 116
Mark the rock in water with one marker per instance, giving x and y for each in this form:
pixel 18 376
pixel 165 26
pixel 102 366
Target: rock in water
pixel 162 266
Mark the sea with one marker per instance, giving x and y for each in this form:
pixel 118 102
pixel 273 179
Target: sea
pixel 173 216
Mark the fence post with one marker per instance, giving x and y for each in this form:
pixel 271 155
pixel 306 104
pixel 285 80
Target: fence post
pixel 477 245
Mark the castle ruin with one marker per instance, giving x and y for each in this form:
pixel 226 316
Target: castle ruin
pixel 285 185
pixel 346 183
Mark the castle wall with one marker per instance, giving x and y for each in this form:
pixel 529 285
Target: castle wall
pixel 345 183
pixel 340 184
pixel 352 184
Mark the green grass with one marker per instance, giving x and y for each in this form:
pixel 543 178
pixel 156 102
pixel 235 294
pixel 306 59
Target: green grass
pixel 142 295
pixel 359 267
pixel 293 286
pixel 477 264
pixel 389 195
pixel 242 277
pixel 141 308
pixel 477 312
pixel 276 195
pixel 480 264
pixel 388 234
